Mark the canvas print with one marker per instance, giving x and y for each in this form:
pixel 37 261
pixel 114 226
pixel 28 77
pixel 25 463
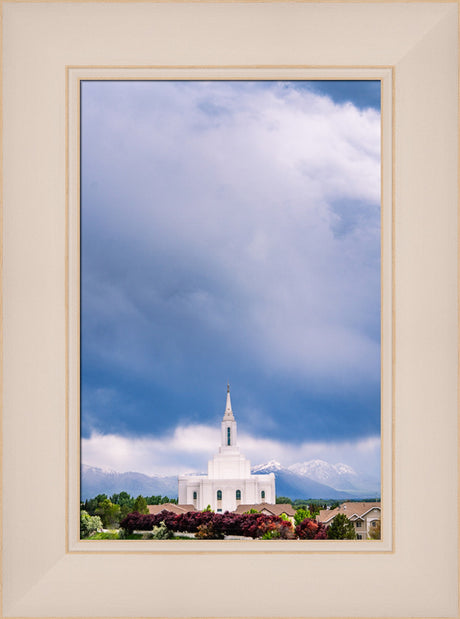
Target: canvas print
pixel 230 310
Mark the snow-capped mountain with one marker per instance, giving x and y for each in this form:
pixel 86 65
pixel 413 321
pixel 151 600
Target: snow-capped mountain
pixel 295 486
pixel 339 476
pixel 96 481
pixel 315 479
pixel 270 467
pixel 321 469
pixel 340 480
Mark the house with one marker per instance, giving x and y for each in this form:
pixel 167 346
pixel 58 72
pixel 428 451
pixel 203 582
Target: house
pixel 229 482
pixel 276 509
pixel 170 507
pixel 363 515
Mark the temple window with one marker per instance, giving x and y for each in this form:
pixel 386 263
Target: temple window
pixel 238 495
pixel 228 436
pixel 262 494
pixel 219 495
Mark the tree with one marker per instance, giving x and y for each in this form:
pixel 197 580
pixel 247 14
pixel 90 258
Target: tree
pixel 283 499
pixel 374 531
pixel 89 524
pixel 157 499
pixel 301 514
pixel 314 509
pixel 109 513
pixel 140 505
pixel 91 504
pixel 341 528
pixel 121 499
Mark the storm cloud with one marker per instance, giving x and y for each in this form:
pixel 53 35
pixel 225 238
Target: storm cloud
pixel 230 232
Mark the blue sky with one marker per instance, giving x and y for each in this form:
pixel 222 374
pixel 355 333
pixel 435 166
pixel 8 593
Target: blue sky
pixel 230 231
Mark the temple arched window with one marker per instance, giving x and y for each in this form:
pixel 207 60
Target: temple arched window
pixel 219 495
pixel 228 436
pixel 238 495
pixel 194 495
pixel 262 494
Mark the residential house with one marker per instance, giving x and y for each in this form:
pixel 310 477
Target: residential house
pixel 364 516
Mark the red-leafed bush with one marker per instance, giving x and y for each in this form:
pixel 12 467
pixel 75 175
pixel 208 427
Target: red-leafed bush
pixel 310 529
pixel 208 531
pixel 287 530
pixel 258 525
pixel 191 521
pixel 138 522
pixel 210 525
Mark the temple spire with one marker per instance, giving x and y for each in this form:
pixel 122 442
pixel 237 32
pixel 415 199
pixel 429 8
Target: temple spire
pixel 228 408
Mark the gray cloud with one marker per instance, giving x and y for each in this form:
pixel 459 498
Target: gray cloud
pixel 238 221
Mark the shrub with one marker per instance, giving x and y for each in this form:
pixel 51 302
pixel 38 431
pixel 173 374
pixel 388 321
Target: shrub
pixel 159 532
pixel 310 529
pixel 301 514
pixel 89 524
pixel 138 522
pixel 248 525
pixel 256 525
pixel 207 531
pixel 271 534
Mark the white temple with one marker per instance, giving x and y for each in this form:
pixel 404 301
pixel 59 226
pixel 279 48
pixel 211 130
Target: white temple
pixel 229 482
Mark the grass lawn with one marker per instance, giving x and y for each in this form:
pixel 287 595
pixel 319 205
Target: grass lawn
pixel 114 535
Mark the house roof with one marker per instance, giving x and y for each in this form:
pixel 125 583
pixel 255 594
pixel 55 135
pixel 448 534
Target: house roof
pixel 275 509
pixel 170 507
pixel 354 511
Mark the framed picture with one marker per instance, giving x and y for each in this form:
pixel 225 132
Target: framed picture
pixel 322 229
pixel 412 570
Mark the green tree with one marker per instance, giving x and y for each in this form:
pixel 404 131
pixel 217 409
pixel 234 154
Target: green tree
pixel 140 505
pixel 125 501
pixel 374 531
pixel 159 500
pixel 88 524
pixel 314 508
pixel 283 499
pixel 91 505
pixel 154 499
pixel 123 498
pixel 301 514
pixel 109 513
pixel 341 528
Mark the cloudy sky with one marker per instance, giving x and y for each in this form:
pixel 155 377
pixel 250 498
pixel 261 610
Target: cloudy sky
pixel 230 231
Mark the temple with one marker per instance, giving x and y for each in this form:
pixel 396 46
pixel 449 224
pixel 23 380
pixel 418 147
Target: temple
pixel 229 482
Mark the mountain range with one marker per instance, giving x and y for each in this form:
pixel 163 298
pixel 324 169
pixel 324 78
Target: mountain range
pixel 315 479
